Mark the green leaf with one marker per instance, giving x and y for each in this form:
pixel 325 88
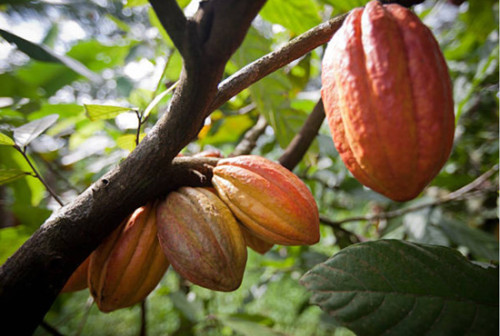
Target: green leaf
pixel 295 15
pixel 127 141
pixel 191 310
pixel 12 238
pixel 9 175
pixel 480 244
pixel 26 133
pixel 394 287
pixel 6 140
pixel 44 54
pixel 100 112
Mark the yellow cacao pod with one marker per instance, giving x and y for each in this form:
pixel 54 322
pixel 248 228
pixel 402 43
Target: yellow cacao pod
pixel 79 279
pixel 202 239
pixel 129 264
pixel 388 99
pixel 273 203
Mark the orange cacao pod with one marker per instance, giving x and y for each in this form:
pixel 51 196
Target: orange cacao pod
pixel 268 199
pixel 202 239
pixel 78 280
pixel 388 99
pixel 128 265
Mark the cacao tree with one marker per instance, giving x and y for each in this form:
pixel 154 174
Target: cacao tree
pixel 109 107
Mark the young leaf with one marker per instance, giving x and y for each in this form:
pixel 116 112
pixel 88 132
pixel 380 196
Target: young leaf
pixel 394 287
pixel 99 112
pixel 26 133
pixel 6 140
pixel 9 175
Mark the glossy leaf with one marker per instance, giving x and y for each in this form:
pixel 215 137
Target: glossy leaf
pixel 5 140
pixel 394 287
pixel 9 175
pixel 101 112
pixel 26 133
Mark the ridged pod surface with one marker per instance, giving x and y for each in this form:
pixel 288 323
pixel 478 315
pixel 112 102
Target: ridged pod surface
pixel 388 99
pixel 202 239
pixel 268 199
pixel 79 279
pixel 129 264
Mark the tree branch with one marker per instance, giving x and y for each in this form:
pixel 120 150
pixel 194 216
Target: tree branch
pixel 461 193
pixel 31 279
pixel 271 62
pixel 301 142
pixel 172 19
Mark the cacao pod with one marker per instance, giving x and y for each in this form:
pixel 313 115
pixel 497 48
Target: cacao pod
pixel 254 242
pixel 78 280
pixel 202 239
pixel 273 203
pixel 388 99
pixel 129 264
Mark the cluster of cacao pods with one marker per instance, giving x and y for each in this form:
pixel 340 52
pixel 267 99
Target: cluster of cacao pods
pixel 388 99
pixel 202 232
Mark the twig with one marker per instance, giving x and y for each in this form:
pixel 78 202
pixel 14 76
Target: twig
pixel 143 330
pixel 247 144
pixel 50 329
pixel 271 62
pixel 301 142
pixel 37 174
pixel 465 191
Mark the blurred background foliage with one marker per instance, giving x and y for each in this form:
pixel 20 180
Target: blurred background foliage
pixel 57 55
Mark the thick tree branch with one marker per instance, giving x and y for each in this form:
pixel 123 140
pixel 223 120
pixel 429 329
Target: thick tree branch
pixel 172 19
pixel 301 142
pixel 271 62
pixel 31 279
pixel 464 192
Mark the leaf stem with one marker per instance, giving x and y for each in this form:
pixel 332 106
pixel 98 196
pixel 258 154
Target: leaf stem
pixel 37 174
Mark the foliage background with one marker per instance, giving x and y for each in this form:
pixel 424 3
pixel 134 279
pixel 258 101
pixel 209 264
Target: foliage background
pixel 128 59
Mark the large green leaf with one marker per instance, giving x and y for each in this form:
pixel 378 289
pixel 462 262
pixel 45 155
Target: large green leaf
pixel 9 175
pixel 295 15
pixel 393 287
pixel 99 112
pixel 5 140
pixel 44 54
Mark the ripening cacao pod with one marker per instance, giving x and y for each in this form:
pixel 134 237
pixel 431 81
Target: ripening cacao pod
pixel 388 99
pixel 129 264
pixel 78 280
pixel 273 203
pixel 202 239
pixel 254 242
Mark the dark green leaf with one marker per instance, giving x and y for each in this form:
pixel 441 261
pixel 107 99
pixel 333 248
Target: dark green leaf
pixel 44 54
pixel 26 133
pixel 394 287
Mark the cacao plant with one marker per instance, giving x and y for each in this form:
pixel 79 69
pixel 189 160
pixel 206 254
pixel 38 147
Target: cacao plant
pixel 202 239
pixel 128 265
pixel 273 203
pixel 388 99
pixel 79 279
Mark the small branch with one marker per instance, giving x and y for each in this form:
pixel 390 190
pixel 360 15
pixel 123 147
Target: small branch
pixel 37 175
pixel 463 192
pixel 301 142
pixel 172 19
pixel 271 62
pixel 139 124
pixel 249 141
pixel 143 330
